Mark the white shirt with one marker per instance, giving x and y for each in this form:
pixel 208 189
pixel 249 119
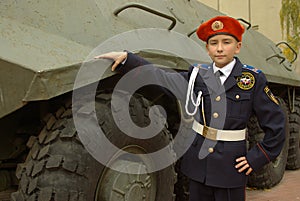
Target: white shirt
pixel 226 70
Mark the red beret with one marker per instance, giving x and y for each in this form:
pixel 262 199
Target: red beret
pixel 220 25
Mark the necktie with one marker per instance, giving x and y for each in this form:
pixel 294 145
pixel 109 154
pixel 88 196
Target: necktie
pixel 218 74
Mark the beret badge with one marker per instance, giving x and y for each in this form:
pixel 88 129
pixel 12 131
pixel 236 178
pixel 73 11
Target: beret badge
pixel 217 25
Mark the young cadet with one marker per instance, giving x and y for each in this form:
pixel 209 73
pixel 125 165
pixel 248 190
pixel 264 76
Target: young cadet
pixel 217 163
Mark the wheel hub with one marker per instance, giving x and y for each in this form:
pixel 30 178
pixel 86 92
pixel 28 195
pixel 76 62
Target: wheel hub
pixel 117 185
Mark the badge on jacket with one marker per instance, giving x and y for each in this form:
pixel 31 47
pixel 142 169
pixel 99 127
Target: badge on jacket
pixel 246 81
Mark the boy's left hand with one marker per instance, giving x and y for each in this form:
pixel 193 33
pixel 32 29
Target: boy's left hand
pixel 243 165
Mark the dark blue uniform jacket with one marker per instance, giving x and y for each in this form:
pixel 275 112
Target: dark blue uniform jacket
pixel 245 92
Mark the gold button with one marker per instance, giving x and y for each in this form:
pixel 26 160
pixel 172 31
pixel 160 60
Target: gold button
pixel 218 98
pixel 215 115
pixel 237 96
pixel 210 149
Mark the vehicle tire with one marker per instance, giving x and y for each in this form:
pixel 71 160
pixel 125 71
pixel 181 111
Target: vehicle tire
pixel 293 161
pixel 272 173
pixel 181 188
pixel 59 168
pixel 182 185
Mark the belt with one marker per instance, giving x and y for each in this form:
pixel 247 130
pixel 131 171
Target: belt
pixel 215 134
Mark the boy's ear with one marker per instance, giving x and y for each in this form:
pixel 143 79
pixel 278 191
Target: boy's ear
pixel 238 47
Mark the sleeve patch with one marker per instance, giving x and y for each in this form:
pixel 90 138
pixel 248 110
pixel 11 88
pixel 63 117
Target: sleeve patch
pixel 271 95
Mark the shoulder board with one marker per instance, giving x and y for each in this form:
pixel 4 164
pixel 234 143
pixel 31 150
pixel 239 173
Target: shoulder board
pixel 253 69
pixel 202 66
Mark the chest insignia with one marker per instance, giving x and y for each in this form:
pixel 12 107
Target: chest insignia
pixel 246 81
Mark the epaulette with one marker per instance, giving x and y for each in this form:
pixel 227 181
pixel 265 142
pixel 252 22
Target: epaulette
pixel 253 69
pixel 202 66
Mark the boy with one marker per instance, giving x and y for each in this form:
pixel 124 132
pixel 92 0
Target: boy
pixel 217 163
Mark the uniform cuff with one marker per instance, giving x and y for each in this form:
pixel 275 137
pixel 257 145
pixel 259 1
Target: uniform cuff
pixel 257 158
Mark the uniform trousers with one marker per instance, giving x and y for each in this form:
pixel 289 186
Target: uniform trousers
pixel 201 192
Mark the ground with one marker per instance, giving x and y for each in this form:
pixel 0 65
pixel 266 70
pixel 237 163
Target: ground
pixel 286 190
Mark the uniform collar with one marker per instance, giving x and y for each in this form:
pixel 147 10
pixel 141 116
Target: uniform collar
pixel 226 70
pixel 230 81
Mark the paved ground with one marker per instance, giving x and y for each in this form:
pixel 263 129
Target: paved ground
pixel 287 190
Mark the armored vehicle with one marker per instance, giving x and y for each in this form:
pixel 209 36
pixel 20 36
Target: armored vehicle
pixel 44 45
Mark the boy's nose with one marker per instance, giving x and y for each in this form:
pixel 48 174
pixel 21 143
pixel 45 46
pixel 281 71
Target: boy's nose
pixel 220 48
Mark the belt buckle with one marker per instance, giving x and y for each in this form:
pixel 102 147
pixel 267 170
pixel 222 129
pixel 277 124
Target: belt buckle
pixel 210 133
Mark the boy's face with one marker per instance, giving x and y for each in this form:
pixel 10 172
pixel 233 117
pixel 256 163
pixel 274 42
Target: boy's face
pixel 222 48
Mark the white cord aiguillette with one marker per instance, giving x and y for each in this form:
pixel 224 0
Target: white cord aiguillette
pixel 190 91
